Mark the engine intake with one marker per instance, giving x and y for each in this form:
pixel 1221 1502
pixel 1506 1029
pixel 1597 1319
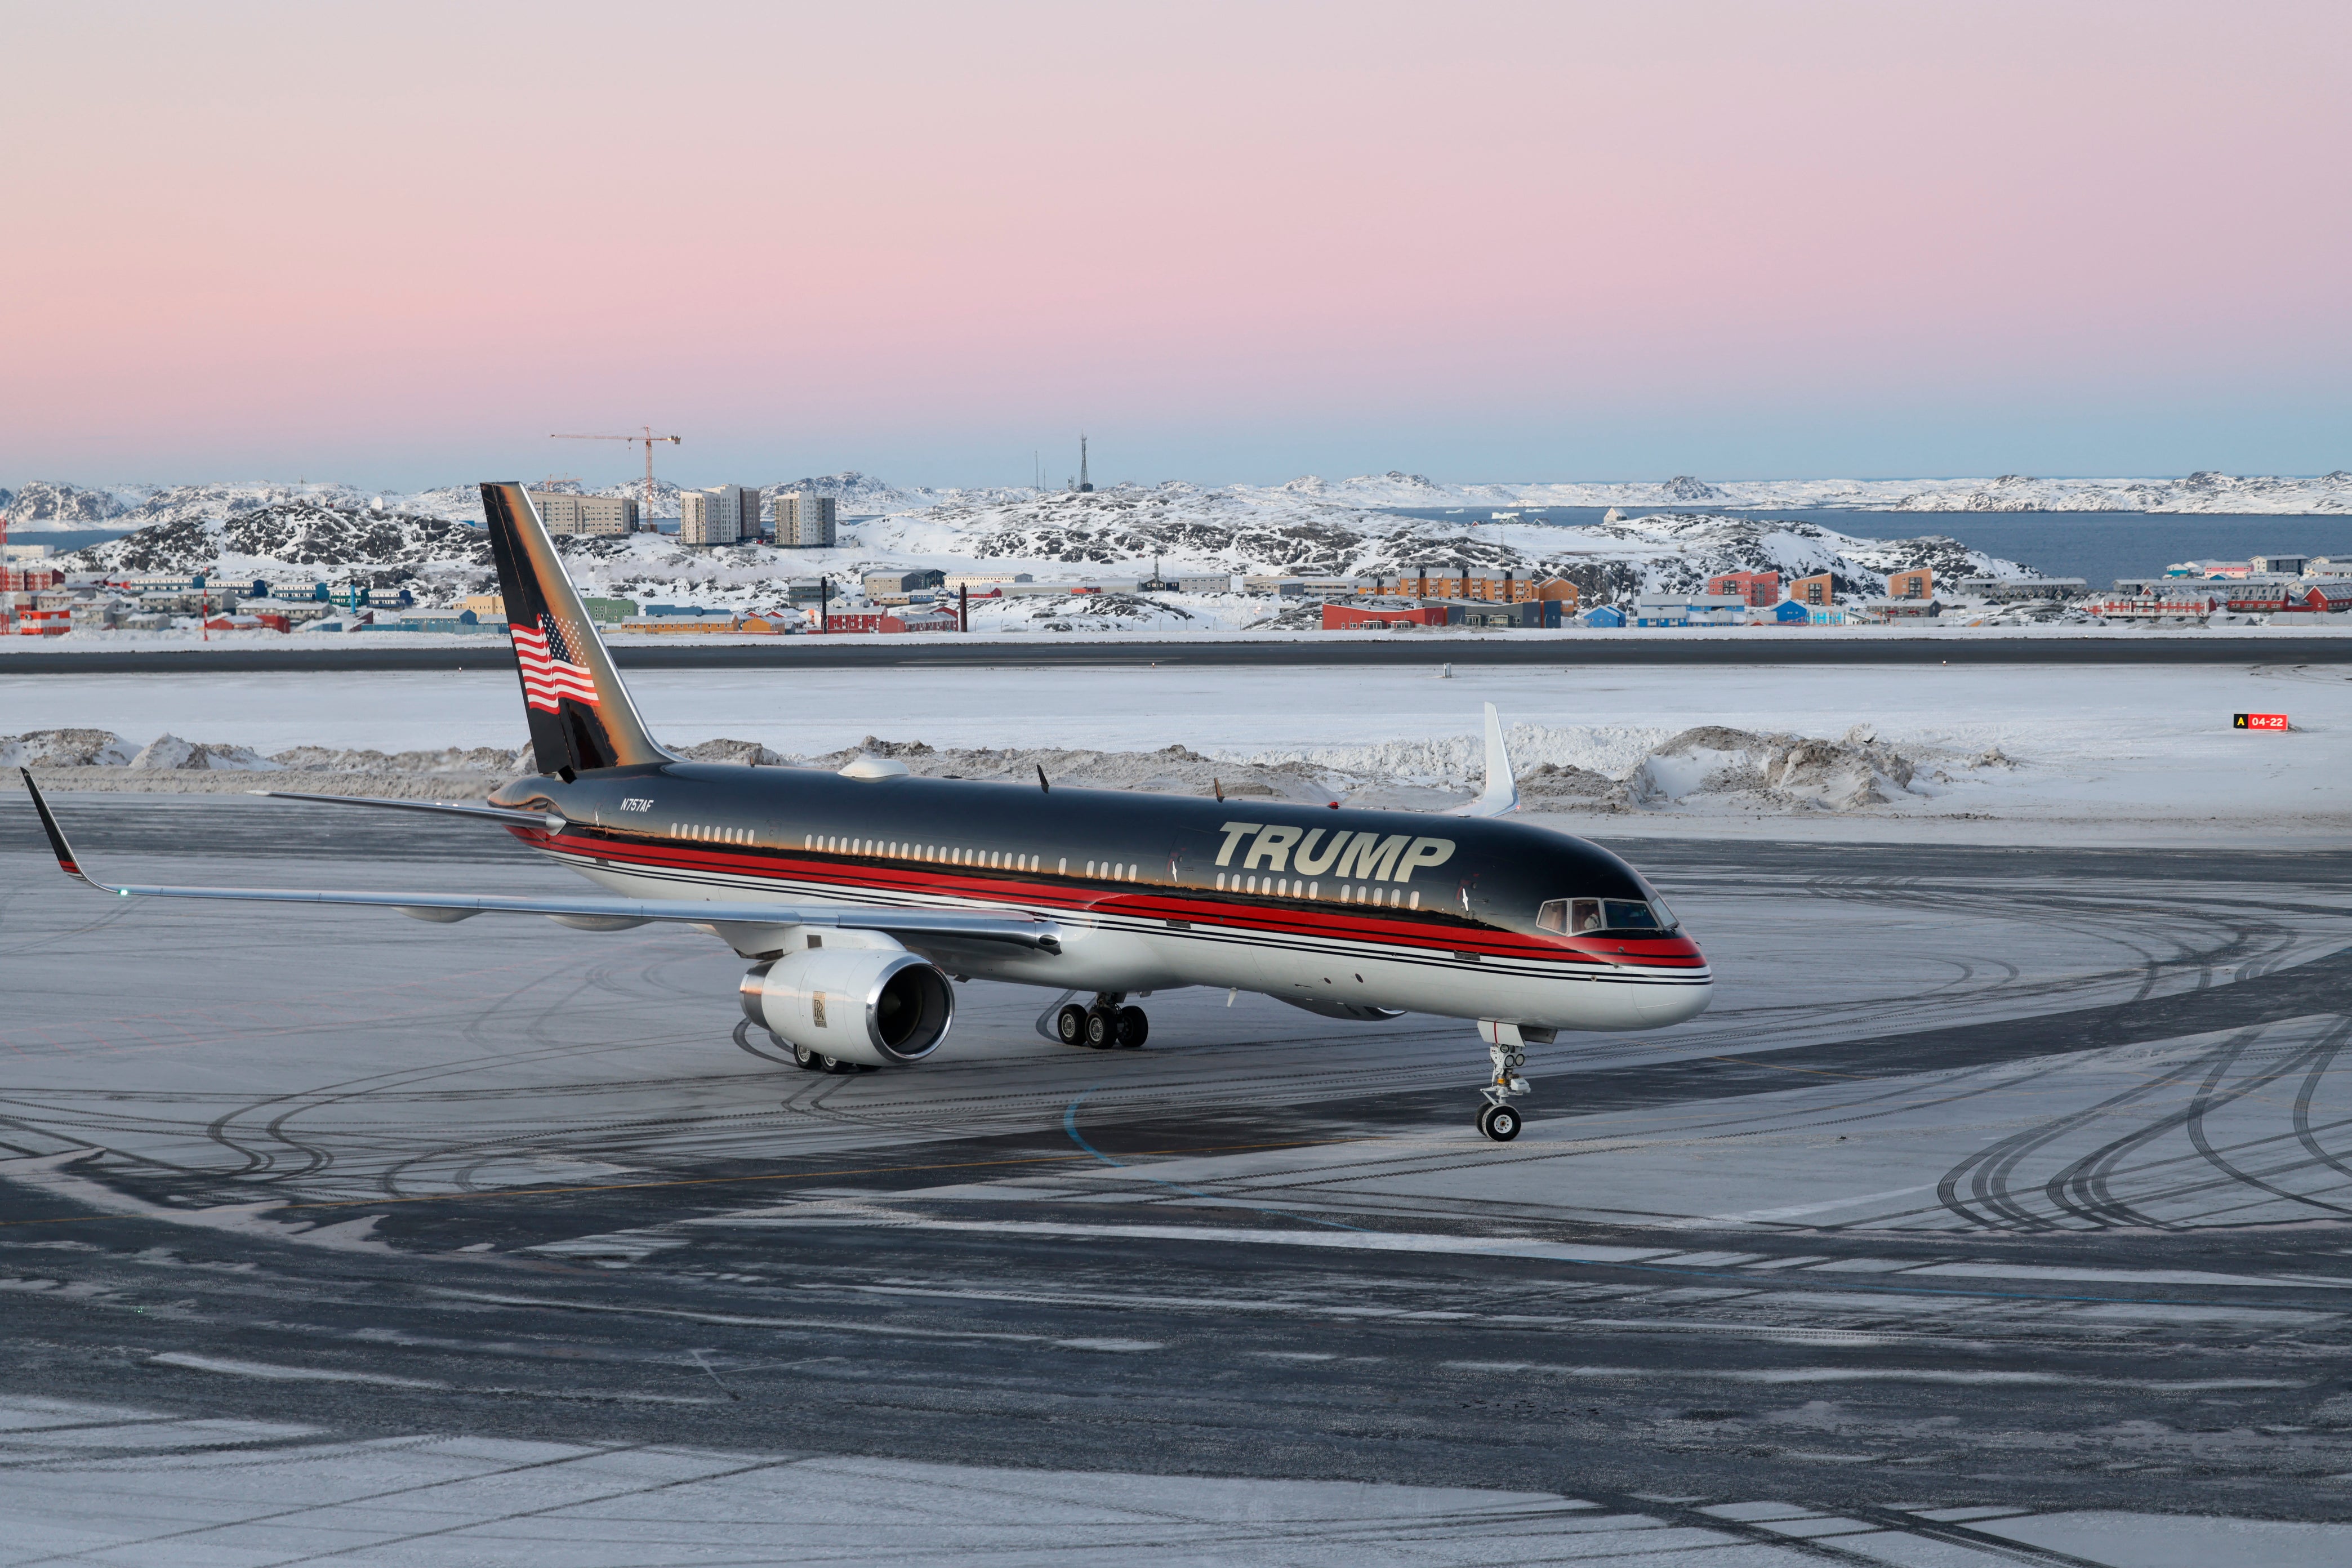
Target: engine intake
pixel 882 1006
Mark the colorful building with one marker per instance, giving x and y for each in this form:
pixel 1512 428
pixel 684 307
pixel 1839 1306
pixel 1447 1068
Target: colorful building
pixel 1758 590
pixel 1358 617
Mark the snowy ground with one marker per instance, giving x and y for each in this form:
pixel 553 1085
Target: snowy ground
pixel 433 1499
pixel 2062 752
pixel 1764 1283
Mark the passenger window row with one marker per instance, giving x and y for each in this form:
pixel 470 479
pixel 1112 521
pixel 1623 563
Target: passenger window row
pixel 1292 888
pixel 942 854
pixel 703 834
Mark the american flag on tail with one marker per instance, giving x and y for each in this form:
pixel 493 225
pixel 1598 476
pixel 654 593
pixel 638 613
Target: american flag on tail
pixel 549 673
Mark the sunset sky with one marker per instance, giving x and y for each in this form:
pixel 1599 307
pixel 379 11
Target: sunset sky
pixel 399 245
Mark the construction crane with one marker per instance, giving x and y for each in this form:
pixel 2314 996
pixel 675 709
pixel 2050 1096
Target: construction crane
pixel 648 439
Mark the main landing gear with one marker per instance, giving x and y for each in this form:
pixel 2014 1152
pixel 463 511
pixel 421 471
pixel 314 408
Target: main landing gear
pixel 1498 1119
pixel 818 1061
pixel 1104 1025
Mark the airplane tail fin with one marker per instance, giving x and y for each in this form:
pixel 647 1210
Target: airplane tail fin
pixel 1501 795
pixel 581 715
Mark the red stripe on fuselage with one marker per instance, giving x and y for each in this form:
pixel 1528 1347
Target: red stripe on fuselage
pixel 1217 911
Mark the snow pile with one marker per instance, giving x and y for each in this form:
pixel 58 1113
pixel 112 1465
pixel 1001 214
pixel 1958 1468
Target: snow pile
pixel 1775 772
pixel 1459 762
pixel 1177 769
pixel 66 748
pixel 1626 768
pixel 170 754
pixel 504 762
pixel 102 760
pixel 1612 769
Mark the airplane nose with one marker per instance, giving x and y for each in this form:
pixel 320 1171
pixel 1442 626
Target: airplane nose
pixel 1662 1004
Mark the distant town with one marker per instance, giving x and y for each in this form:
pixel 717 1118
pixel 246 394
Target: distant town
pixel 43 597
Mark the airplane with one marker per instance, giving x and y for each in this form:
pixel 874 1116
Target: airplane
pixel 858 894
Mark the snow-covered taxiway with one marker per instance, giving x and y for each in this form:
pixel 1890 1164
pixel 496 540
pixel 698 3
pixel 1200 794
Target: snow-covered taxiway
pixel 1996 1210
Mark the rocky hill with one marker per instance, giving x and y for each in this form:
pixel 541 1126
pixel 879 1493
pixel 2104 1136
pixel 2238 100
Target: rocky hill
pixel 388 547
pixel 41 506
pixel 1115 533
pixel 2207 492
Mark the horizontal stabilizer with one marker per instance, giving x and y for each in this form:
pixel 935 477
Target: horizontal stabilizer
pixel 499 813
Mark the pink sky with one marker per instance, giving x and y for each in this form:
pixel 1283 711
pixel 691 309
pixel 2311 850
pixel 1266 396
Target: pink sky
pixel 399 245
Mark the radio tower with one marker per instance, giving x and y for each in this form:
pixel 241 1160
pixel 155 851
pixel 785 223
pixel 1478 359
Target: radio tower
pixel 1084 483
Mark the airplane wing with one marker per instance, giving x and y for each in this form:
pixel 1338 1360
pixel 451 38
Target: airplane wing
pixel 753 923
pixel 1501 794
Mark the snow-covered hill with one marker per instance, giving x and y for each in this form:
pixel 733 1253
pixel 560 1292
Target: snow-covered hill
pixel 1118 533
pixel 384 548
pixel 2200 493
pixel 42 506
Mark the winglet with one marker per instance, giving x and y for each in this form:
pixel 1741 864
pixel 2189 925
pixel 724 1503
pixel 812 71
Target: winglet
pixel 1501 794
pixel 57 845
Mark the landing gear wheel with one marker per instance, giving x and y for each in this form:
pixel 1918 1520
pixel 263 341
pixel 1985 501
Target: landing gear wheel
pixel 835 1064
pixel 807 1059
pixel 1100 1027
pixel 1132 1028
pixel 1070 1025
pixel 1499 1122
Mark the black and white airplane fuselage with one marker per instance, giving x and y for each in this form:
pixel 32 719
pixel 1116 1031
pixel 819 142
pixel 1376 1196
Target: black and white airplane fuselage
pixel 861 895
pixel 1343 912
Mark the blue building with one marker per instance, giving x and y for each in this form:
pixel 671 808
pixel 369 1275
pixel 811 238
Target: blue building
pixel 1603 615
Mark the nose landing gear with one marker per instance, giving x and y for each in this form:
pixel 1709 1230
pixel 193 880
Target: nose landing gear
pixel 1496 1117
pixel 1105 1026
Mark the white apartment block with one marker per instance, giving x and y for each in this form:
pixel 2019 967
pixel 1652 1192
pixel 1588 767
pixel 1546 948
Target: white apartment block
pixel 565 513
pixel 805 521
pixel 721 514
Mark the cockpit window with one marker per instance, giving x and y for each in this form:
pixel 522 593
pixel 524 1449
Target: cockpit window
pixel 1590 917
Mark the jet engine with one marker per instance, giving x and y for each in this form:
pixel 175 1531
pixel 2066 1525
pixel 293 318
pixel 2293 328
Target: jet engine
pixel 879 1005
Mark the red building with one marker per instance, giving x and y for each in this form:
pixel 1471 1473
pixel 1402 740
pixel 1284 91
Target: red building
pixel 1758 590
pixel 890 621
pixel 2181 604
pixel 44 623
pixel 2330 598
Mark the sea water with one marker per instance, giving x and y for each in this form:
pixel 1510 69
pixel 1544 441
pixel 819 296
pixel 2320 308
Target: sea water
pixel 2096 546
